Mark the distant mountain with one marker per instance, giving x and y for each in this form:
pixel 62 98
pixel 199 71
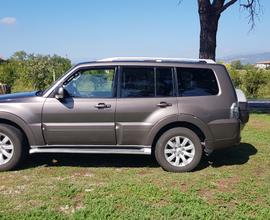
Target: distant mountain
pixel 248 58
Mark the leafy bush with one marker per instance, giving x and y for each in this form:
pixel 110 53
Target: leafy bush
pixel 8 73
pixel 253 81
pixel 25 72
pixel 237 65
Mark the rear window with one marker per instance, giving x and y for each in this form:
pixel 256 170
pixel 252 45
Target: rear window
pixel 196 82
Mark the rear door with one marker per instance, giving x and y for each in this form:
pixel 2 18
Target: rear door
pixel 202 96
pixel 146 95
pixel 199 93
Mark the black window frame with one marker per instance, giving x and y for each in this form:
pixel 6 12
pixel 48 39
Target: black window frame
pixel 180 88
pixel 119 82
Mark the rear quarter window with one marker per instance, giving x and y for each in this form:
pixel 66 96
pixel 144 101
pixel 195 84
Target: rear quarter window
pixel 196 82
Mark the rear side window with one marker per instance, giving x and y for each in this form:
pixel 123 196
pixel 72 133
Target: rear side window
pixel 138 82
pixel 164 82
pixel 196 82
pixel 146 82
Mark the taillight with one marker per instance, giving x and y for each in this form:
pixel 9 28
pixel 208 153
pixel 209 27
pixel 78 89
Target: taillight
pixel 235 111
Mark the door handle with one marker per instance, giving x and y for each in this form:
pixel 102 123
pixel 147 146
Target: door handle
pixel 164 104
pixel 102 105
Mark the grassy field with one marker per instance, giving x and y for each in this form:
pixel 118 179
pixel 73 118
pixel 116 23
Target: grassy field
pixel 231 184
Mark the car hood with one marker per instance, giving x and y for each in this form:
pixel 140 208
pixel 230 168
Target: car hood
pixel 17 96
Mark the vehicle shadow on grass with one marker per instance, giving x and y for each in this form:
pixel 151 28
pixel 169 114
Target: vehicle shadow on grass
pixel 90 160
pixel 236 155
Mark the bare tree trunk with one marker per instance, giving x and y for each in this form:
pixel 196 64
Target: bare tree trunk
pixel 210 12
pixel 209 18
pixel 208 37
pixel 4 89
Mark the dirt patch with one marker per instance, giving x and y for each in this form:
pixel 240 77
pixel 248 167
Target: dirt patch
pixel 227 184
pixel 84 173
pixel 78 205
pixel 207 194
pixel 259 124
pixel 183 187
pixel 224 185
pixel 143 172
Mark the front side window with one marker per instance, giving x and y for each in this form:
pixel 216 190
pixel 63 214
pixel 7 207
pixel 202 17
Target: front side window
pixel 146 82
pixel 91 83
pixel 196 82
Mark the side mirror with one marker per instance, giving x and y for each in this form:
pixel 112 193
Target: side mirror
pixel 60 93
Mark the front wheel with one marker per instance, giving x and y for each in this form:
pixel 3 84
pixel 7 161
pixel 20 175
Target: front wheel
pixel 11 147
pixel 178 150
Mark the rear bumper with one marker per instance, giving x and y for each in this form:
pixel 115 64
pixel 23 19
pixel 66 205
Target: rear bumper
pixel 243 112
pixel 219 144
pixel 226 133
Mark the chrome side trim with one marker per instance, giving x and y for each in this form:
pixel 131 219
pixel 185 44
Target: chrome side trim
pixel 143 150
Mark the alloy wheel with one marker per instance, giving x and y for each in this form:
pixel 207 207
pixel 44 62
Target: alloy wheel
pixel 6 149
pixel 179 151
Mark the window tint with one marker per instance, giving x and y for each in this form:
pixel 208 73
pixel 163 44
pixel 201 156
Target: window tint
pixel 138 82
pixel 91 83
pixel 164 82
pixel 196 82
pixel 146 82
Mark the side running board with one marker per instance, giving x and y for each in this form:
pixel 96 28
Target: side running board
pixel 143 150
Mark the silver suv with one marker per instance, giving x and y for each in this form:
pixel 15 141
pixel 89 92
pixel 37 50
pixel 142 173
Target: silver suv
pixel 172 108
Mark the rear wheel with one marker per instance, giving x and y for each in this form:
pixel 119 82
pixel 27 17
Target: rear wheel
pixel 178 150
pixel 11 147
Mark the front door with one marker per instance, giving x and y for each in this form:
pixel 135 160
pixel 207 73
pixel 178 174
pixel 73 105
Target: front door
pixel 85 116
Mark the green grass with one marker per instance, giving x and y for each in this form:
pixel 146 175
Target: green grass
pixel 232 184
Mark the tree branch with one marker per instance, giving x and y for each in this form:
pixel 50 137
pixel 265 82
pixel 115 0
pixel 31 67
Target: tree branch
pixel 248 5
pixel 253 7
pixel 227 5
pixel 179 2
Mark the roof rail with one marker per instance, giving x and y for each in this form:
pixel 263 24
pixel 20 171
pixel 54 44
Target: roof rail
pixel 155 59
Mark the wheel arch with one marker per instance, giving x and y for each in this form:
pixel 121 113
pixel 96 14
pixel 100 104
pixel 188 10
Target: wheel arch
pixel 186 121
pixel 10 119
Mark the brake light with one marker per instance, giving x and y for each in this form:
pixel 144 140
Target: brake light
pixel 235 111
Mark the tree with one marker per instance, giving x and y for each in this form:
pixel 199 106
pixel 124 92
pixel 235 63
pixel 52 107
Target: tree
pixel 236 64
pixel 253 81
pixel 210 12
pixel 24 72
pixel 7 73
pixel 19 56
pixel 41 70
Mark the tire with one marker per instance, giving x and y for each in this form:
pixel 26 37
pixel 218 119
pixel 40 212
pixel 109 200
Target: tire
pixel 11 136
pixel 183 150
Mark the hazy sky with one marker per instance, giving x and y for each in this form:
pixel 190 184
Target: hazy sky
pixel 89 29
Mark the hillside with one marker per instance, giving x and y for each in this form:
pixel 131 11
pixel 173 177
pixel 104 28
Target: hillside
pixel 247 58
